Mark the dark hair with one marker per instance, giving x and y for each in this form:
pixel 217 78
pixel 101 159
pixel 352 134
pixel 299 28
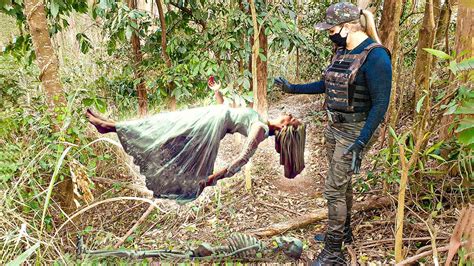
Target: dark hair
pixel 290 143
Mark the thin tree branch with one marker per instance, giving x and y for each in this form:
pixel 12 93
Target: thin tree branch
pixel 424 254
pixel 190 13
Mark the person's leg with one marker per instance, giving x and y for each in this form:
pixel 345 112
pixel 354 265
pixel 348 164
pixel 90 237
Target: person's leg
pixel 330 145
pixel 101 125
pixel 336 186
pixel 347 226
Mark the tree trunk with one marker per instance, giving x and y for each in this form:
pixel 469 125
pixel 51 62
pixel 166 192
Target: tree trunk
pixel 45 56
pixel 164 54
pixel 423 59
pixel 259 67
pixel 443 26
pixel 389 35
pixel 389 25
pixel 465 29
pixel 137 57
pixel 260 94
pixel 299 16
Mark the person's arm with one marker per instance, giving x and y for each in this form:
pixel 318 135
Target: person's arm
pixel 216 86
pixel 256 135
pixel 379 83
pixel 219 97
pixel 309 88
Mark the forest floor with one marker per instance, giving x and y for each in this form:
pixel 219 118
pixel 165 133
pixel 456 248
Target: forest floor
pixel 229 207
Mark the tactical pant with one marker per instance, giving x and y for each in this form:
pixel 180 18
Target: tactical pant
pixel 338 183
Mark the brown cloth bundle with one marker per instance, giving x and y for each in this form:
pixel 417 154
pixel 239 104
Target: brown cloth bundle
pixel 289 143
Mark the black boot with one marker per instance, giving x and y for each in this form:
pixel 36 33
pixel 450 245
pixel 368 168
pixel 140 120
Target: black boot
pixel 332 253
pixel 348 236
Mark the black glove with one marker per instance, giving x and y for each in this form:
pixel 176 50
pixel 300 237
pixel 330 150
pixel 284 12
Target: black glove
pixel 282 83
pixel 356 150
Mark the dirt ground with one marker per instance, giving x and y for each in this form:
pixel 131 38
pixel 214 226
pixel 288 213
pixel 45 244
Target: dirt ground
pixel 229 207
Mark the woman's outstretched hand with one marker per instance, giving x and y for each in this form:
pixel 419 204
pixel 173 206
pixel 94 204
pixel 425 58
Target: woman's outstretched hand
pixel 282 83
pixel 215 86
pixel 212 179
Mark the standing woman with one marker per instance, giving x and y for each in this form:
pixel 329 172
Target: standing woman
pixel 357 84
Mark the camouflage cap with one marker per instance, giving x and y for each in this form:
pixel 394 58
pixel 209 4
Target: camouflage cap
pixel 337 14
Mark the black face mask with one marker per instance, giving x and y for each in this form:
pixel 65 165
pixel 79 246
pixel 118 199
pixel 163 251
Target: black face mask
pixel 338 39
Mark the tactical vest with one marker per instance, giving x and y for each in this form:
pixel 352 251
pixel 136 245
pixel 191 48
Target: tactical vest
pixel 341 92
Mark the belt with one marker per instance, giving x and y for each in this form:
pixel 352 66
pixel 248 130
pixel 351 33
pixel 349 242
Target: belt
pixel 338 117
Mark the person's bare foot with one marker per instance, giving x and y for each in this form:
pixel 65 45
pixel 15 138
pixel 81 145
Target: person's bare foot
pixel 101 125
pixel 98 116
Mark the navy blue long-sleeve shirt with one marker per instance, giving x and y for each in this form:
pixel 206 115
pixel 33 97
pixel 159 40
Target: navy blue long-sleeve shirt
pixel 375 74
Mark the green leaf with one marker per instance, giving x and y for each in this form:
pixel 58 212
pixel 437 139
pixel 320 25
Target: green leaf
pixel 84 42
pixel 100 105
pixel 437 157
pixel 467 107
pixel 104 4
pixel 420 103
pixel 246 84
pixel 51 185
pixel 392 132
pixel 465 123
pixel 24 256
pixel 88 101
pixel 54 8
pixel 466 137
pixel 87 230
pixel 464 65
pixel 434 147
pixel 128 32
pixel 439 206
pixel 438 53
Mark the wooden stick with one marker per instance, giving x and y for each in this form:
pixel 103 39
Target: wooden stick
pixel 352 253
pixel 424 254
pixel 135 226
pixel 307 219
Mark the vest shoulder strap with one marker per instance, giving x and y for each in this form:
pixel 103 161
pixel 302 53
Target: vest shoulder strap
pixel 369 48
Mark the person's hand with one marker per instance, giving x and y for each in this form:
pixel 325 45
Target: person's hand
pixel 282 83
pixel 211 179
pixel 356 150
pixel 215 86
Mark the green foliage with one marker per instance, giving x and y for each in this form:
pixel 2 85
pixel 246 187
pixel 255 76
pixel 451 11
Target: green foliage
pixel 24 256
pixel 462 106
pixel 84 42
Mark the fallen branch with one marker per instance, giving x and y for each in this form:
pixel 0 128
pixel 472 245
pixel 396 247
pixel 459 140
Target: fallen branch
pixel 135 226
pixel 424 254
pixel 352 253
pixel 307 219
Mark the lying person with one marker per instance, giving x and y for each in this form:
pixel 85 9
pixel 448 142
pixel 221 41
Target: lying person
pixel 176 151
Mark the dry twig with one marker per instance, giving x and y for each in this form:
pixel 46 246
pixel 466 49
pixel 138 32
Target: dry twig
pixel 135 226
pixel 424 254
